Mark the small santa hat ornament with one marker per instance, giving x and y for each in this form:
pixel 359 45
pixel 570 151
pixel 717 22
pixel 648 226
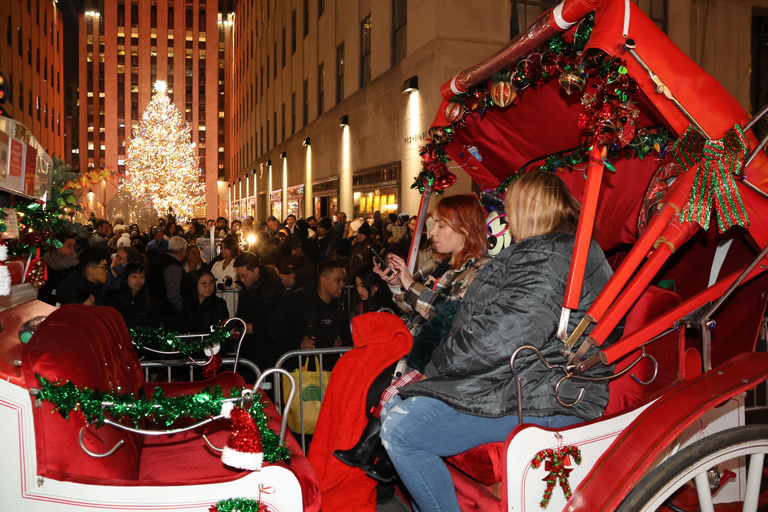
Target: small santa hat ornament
pixel 243 449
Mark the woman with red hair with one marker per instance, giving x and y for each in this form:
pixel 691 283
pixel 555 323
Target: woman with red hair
pixel 428 301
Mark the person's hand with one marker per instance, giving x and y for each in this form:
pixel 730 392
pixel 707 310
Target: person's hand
pixel 308 343
pixel 249 328
pixel 337 343
pixel 403 274
pixel 386 274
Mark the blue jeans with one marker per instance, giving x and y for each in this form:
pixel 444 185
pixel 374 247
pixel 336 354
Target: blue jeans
pixel 419 431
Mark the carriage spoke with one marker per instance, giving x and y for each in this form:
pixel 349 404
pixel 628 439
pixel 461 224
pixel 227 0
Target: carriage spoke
pixel 754 478
pixel 704 492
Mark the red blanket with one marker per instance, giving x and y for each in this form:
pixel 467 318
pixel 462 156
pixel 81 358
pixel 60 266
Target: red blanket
pixel 380 340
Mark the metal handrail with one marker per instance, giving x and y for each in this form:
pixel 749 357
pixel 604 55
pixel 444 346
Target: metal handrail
pixel 173 363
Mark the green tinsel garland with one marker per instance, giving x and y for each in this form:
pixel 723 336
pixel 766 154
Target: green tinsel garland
pixel 237 505
pixel 158 409
pixel 167 341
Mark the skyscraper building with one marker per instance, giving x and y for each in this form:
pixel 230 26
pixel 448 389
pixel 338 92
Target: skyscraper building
pixel 31 60
pixel 125 47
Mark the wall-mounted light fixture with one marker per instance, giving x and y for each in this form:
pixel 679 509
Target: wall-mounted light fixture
pixel 344 121
pixel 282 155
pixel 410 85
pixel 253 172
pixel 269 163
pixel 306 142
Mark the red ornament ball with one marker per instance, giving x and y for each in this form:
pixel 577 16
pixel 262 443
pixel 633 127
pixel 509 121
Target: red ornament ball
pixel 444 180
pixel 503 93
pixel 454 112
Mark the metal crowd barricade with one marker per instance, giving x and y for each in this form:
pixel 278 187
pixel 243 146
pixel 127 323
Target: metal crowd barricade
pixel 231 297
pixel 301 354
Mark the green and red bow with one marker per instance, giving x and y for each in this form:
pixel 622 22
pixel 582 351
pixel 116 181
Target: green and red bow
pixel 719 160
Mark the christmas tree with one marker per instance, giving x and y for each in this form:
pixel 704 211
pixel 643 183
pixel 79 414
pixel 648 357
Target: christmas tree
pixel 163 170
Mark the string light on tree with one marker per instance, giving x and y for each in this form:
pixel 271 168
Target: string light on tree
pixel 163 169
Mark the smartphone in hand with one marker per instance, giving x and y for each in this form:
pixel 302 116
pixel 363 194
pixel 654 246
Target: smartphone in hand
pixel 381 261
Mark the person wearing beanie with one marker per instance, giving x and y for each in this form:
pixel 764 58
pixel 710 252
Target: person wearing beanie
pixel 327 239
pixel 123 241
pixel 361 249
pixel 117 230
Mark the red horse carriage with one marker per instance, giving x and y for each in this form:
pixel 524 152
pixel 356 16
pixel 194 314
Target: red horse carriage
pixel 674 187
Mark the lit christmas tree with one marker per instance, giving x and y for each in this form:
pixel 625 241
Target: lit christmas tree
pixel 163 170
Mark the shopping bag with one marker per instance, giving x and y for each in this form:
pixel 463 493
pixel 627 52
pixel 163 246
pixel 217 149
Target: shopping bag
pixel 308 395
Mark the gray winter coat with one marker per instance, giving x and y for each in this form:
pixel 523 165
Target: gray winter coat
pixel 516 300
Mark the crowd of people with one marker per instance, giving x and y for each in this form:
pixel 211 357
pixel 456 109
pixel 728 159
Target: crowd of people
pixel 284 279
pixel 467 312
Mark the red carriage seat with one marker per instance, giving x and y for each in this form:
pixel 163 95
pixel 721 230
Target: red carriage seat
pixel 477 473
pixel 91 347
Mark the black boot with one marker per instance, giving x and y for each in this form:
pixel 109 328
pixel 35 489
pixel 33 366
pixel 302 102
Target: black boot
pixel 364 452
pixel 382 470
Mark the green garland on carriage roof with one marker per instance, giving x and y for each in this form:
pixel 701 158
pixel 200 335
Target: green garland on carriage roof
pixel 168 341
pixel 238 505
pixel 158 409
pixel 609 117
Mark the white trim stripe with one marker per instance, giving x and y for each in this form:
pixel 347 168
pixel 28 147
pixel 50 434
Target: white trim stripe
pixel 557 15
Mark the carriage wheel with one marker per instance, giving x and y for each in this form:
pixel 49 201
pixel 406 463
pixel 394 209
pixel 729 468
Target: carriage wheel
pixel 691 465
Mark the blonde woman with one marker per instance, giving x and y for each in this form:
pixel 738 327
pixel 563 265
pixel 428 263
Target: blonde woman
pixel 469 397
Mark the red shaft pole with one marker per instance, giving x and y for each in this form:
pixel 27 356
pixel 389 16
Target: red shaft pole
pixel 584 230
pixel 674 199
pixel 673 237
pixel 634 340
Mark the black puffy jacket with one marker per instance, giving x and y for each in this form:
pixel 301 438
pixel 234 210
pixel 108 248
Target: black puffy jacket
pixel 516 300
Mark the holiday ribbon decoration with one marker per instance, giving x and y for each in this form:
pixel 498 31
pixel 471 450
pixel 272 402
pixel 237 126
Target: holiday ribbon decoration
pixel 718 161
pixel 556 461
pixel 94 406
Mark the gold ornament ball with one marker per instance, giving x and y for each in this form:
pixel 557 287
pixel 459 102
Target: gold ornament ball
pixel 454 112
pixel 503 93
pixel 573 81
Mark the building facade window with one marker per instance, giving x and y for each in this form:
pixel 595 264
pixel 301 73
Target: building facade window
pixel 399 20
pixel 305 104
pixel 293 113
pixel 365 51
pixel 293 31
pixel 306 18
pixel 340 73
pixel 320 89
pixel 283 53
pixel 320 8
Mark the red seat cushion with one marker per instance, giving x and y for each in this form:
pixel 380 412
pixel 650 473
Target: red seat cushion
pixel 89 346
pixel 625 393
pixel 483 463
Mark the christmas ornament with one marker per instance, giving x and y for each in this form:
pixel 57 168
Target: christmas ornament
pixel 556 462
pixel 243 449
pixel 573 81
pixel 503 94
pixel 440 135
pixel 719 160
pixel 214 355
pixel 94 406
pixel 455 112
pixel 37 274
pixel 444 180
